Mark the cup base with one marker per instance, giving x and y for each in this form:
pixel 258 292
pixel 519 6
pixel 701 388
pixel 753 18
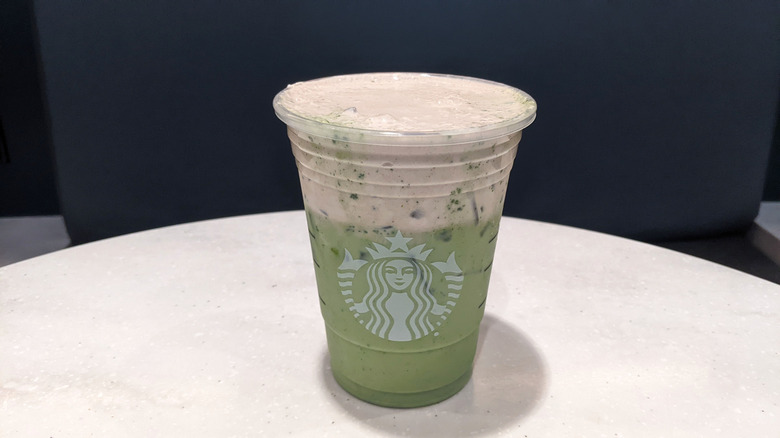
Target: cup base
pixel 403 400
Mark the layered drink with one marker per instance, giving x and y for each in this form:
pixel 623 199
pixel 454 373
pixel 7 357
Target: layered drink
pixel 403 178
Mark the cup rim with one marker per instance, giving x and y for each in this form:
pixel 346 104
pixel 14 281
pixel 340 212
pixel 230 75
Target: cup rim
pixel 338 132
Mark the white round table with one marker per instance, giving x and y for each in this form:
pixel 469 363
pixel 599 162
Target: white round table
pixel 213 329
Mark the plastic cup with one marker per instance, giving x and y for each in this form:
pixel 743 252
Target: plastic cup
pixel 403 188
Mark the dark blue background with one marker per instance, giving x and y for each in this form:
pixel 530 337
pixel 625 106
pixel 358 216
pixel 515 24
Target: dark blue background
pixel 655 120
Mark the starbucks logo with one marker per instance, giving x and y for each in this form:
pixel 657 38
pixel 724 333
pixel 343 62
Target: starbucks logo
pixel 391 295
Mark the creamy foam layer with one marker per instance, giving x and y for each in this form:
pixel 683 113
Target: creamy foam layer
pixel 414 152
pixel 406 102
pixel 413 190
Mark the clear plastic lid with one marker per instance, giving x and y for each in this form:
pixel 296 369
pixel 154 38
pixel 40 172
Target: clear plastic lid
pixel 404 108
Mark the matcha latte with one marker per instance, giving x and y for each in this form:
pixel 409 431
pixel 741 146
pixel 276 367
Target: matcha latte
pixel 403 178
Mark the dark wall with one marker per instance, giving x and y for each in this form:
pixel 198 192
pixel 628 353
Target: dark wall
pixel 772 183
pixel 27 185
pixel 654 121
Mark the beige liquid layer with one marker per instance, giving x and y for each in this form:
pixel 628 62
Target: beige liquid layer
pixel 406 102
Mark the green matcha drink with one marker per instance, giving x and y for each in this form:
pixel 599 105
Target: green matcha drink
pixel 403 178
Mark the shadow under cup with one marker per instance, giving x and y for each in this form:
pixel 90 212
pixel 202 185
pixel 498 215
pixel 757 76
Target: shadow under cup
pixel 403 229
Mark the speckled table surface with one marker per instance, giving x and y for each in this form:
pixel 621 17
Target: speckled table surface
pixel 213 329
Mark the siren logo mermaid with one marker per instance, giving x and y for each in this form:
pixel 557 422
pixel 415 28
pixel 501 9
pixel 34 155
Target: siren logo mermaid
pixel 397 302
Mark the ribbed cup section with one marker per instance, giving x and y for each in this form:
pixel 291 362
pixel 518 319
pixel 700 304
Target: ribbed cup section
pixel 411 187
pixel 398 172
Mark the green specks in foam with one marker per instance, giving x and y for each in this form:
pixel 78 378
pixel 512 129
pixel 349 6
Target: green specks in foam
pixel 445 235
